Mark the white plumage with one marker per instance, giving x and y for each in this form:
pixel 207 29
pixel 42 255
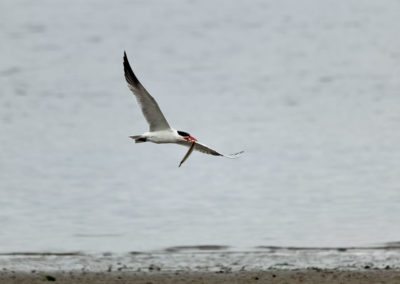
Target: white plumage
pixel 160 131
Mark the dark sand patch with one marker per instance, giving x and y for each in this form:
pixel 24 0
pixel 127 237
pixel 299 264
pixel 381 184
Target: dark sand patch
pixel 319 276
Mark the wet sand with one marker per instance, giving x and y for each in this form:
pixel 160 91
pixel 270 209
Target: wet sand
pixel 269 276
pixel 207 264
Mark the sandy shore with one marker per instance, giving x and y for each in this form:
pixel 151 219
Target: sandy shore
pixel 271 276
pixel 207 265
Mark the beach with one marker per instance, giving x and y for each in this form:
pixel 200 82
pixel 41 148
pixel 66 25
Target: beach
pixel 207 264
pixel 268 276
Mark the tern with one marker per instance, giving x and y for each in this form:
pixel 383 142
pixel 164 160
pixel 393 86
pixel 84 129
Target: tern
pixel 160 132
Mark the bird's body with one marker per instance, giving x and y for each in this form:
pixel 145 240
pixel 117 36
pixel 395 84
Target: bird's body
pixel 160 131
pixel 159 136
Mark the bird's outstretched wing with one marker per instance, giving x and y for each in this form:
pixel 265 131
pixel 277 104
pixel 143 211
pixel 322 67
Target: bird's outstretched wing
pixel 148 104
pixel 206 150
pixel 188 153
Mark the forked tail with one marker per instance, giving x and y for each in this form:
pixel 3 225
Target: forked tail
pixel 138 138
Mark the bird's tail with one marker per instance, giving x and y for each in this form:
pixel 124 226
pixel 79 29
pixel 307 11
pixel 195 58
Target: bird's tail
pixel 138 138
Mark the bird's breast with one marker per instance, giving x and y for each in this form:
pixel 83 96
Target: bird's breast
pixel 165 136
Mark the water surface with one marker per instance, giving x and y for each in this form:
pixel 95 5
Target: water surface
pixel 309 90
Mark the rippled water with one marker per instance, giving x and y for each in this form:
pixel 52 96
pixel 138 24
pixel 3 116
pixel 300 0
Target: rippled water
pixel 310 90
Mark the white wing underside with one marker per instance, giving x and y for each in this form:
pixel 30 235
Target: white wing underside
pixel 147 103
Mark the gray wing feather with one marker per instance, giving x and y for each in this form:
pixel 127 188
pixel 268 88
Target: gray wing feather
pixel 148 104
pixel 207 150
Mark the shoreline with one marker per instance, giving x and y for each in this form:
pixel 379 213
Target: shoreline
pixel 205 260
pixel 206 265
pixel 331 276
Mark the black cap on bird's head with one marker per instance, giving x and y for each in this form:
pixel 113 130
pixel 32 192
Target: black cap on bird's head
pixel 187 136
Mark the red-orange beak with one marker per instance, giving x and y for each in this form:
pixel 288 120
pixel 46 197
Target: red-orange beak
pixel 190 139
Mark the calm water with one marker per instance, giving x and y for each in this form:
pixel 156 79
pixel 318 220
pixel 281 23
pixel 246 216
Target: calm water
pixel 309 90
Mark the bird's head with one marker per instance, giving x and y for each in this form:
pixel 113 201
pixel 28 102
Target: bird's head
pixel 186 136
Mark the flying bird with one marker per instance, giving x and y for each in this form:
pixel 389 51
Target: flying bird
pixel 160 131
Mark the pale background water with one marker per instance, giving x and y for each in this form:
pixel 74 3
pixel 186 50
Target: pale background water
pixel 309 89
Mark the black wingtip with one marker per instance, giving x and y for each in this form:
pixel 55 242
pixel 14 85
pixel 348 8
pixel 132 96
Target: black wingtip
pixel 127 66
pixel 236 155
pixel 129 75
